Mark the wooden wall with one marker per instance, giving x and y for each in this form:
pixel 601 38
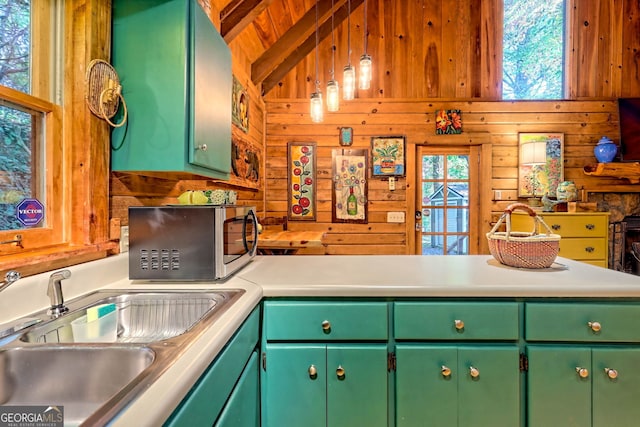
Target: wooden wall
pixel 452 49
pixel 582 122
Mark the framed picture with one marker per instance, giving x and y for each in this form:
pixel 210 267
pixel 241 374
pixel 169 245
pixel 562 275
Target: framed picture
pixel 448 122
pixel 349 186
pixel 240 106
pixel 540 163
pixel 301 181
pixel 388 154
pixel 346 136
pixel 246 161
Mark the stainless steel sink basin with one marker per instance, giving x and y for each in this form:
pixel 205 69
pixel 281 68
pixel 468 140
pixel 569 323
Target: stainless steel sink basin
pixel 79 378
pixel 143 317
pixel 42 364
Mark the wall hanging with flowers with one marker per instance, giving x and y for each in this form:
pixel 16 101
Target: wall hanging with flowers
pixel 349 192
pixel 448 122
pixel 301 161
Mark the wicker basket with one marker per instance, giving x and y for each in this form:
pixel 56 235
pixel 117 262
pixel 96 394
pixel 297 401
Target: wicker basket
pixel 520 249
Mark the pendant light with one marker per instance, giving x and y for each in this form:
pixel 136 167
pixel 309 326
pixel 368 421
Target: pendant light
pixel 333 90
pixel 349 73
pixel 316 97
pixel 365 59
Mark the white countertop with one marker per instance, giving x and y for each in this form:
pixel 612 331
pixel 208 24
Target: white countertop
pixel 316 276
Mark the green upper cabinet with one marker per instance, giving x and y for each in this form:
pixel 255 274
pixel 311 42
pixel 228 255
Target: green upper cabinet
pixel 175 71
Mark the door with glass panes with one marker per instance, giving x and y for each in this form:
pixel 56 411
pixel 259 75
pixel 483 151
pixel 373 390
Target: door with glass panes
pixel 447 191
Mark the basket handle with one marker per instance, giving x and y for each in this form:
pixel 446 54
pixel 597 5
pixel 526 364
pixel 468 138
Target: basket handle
pixel 514 206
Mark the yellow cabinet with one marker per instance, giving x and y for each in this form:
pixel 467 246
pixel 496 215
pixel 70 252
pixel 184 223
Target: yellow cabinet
pixel 585 235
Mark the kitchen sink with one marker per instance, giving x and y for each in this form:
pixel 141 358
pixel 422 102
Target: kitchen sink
pixel 79 378
pixel 142 317
pixel 41 363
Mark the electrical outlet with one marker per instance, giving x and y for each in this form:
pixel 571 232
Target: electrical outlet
pixel 392 183
pixel 497 195
pixel 395 216
pixel 124 238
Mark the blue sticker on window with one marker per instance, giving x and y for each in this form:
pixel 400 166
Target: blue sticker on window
pixel 30 212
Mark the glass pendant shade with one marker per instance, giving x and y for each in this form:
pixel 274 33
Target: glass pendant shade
pixel 333 96
pixel 316 107
pixel 365 72
pixel 348 83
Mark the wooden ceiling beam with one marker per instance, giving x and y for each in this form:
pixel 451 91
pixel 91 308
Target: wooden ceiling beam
pixel 239 14
pixel 296 43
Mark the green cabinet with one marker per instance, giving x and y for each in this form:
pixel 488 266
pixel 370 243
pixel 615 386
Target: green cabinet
pixel 315 385
pixel 325 364
pixel 217 385
pixel 457 364
pixel 582 364
pixel 448 385
pixel 175 71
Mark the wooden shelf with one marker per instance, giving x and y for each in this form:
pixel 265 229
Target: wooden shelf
pixel 628 171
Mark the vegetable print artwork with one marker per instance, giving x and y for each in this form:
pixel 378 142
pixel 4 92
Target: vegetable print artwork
pixel 301 180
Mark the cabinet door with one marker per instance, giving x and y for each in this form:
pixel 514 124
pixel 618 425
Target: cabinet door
pixel 426 385
pixel 294 395
pixel 243 407
pixel 616 395
pixel 357 385
pixel 488 386
pixel 557 396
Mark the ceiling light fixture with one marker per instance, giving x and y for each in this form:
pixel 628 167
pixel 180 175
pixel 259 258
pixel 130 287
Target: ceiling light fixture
pixel 333 90
pixel 316 97
pixel 365 59
pixel 349 73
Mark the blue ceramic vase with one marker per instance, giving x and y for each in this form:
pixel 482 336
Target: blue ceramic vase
pixel 605 150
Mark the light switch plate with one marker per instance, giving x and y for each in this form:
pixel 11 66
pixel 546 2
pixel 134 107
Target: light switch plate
pixel 395 216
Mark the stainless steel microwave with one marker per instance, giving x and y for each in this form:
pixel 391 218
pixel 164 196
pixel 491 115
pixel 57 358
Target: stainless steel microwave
pixel 190 242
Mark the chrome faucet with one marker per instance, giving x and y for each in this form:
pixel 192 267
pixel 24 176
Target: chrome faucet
pixel 54 291
pixel 11 277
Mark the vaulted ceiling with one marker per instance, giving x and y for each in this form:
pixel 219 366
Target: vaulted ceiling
pixel 277 34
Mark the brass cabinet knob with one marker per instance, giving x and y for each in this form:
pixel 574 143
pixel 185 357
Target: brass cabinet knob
pixel 446 371
pixel 590 226
pixel 595 326
pixel 590 249
pixel 556 227
pixel 326 326
pixel 611 373
pixel 340 372
pixel 459 324
pixel 582 372
pixel 474 372
pixel 313 372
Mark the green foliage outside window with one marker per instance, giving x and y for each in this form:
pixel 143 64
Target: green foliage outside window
pixel 533 46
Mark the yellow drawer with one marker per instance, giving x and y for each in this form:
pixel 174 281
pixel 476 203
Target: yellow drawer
pixel 456 321
pixel 583 322
pixel 566 224
pixel 583 248
pixel 326 321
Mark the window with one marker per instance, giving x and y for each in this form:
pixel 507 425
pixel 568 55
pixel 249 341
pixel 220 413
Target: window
pixel 30 131
pixel 533 49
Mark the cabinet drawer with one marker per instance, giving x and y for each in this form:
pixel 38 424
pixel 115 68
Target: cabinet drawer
pixel 302 321
pixel 566 224
pixel 456 321
pixel 583 248
pixel 571 322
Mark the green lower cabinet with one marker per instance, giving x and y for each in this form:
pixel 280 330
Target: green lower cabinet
pixel 318 385
pixel 449 385
pixel 243 407
pixel 583 386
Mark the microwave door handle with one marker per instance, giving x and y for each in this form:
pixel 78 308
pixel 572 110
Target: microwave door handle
pixel 244 231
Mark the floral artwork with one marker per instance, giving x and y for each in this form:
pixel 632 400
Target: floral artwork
pixel 448 122
pixel 240 106
pixel 301 181
pixel 388 155
pixel 349 186
pixel 542 178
